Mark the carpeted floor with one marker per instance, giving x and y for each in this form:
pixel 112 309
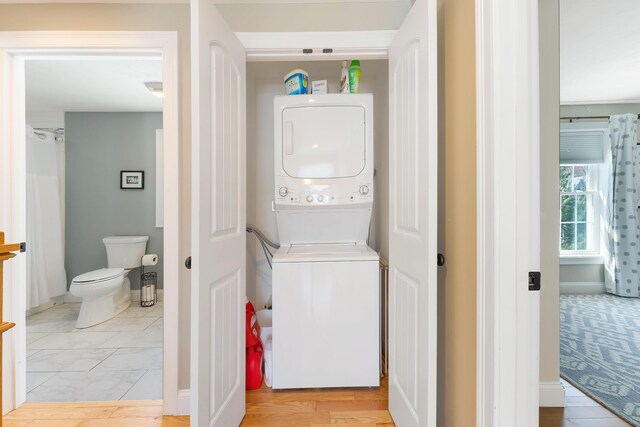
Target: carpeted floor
pixel 600 350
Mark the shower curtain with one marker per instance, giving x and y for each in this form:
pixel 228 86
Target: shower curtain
pixel 622 247
pixel 46 276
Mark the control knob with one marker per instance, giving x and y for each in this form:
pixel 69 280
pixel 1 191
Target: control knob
pixel 309 198
pixel 364 190
pixel 320 198
pixel 283 191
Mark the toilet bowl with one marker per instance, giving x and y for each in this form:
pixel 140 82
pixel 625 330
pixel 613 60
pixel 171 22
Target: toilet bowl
pixel 106 292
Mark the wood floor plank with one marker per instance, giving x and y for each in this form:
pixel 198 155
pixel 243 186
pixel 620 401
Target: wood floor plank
pixel 377 393
pixel 280 408
pixel 64 413
pixel 345 425
pixel 298 396
pixel 358 405
pixel 380 416
pixel 138 422
pixel 137 412
pixel 15 423
pixel 62 405
pixel 302 419
pixel 54 423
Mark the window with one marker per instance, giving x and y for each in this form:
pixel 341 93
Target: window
pixel 578 209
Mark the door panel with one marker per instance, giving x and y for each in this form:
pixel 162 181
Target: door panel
pixel 413 219
pixel 218 218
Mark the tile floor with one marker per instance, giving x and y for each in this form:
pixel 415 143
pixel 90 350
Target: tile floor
pixel 120 359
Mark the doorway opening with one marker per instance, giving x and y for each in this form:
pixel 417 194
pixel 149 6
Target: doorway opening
pixel 599 227
pixel 89 336
pixel 264 82
pixel 23 55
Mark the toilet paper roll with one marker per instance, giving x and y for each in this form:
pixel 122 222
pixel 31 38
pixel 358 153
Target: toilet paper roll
pixel 149 259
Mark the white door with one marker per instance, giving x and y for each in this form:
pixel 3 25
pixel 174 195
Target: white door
pixel 413 219
pixel 218 220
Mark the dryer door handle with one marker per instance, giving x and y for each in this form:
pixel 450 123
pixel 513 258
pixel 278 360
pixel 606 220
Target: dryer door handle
pixel 288 137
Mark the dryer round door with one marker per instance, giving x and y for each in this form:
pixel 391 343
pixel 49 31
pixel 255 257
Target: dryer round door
pixel 323 142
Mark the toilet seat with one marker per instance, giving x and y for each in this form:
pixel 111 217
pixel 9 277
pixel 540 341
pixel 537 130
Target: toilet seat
pixel 98 276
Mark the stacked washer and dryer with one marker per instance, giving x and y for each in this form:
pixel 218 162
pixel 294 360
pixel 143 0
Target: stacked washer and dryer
pixel 326 319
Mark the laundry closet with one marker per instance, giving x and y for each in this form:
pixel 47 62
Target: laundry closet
pixel 237 79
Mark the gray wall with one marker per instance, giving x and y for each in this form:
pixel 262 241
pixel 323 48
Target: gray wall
pixel 99 146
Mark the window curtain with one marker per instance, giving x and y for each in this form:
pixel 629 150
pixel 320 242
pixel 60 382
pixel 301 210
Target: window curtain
pixel 622 243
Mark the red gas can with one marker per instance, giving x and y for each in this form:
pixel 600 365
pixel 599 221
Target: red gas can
pixel 253 328
pixel 254 367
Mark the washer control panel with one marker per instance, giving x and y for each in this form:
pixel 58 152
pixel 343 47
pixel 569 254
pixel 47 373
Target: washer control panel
pixel 323 195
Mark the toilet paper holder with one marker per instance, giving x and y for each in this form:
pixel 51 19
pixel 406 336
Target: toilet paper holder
pixel 148 282
pixel 148 289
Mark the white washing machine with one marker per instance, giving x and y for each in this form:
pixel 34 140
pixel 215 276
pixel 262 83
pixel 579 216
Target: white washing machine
pixel 325 277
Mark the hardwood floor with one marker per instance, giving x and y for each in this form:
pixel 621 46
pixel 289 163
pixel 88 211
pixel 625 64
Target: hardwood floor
pixel 265 407
pixel 142 413
pixel 311 408
pixel 579 411
pixel 319 407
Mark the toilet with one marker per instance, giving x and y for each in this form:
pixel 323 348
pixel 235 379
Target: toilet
pixel 106 292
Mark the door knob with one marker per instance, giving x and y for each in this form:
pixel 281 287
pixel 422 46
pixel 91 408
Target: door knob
pixel 187 263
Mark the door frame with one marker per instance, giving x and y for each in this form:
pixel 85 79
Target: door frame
pixel 17 46
pixel 508 212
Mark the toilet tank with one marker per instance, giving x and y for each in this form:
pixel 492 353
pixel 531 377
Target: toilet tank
pixel 125 251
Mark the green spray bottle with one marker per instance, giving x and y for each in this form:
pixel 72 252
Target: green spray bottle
pixel 354 76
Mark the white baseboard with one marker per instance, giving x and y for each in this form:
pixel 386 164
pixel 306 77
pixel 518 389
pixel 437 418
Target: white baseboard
pixel 184 402
pixel 583 288
pixel 53 301
pixel 551 394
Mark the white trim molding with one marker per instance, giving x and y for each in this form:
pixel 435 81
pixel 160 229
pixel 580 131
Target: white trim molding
pixel 551 394
pixel 288 46
pixel 508 212
pixel 582 288
pixel 15 48
pixel 184 402
pixel 581 259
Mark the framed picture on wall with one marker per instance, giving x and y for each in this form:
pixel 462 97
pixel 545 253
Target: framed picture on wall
pixel 132 180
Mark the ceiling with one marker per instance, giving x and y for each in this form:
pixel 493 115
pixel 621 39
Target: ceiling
pixel 99 85
pixel 599 51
